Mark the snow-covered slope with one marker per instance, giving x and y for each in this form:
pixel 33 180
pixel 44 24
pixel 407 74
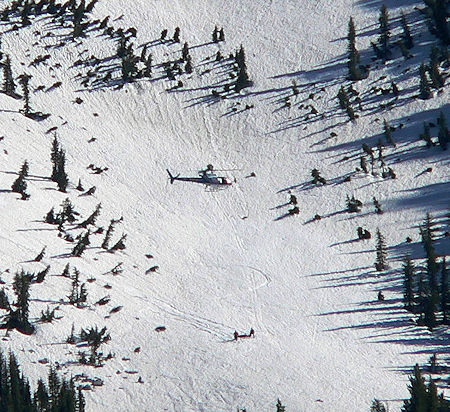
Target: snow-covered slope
pixel 230 259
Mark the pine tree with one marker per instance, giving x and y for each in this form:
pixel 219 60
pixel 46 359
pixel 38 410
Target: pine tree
pixel 50 216
pixel 380 263
pixel 41 255
pixel 424 87
pixel 280 406
pixel 4 302
pixel 188 68
pixel 80 247
pixel 221 35
pixel 41 398
pixel 444 295
pixel 24 80
pixel 418 392
pixel 353 205
pixel 20 184
pixel 432 266
pixel 92 218
pixel 242 79
pixel 439 16
pixel 78 292
pixel 68 212
pixel 377 406
pixel 377 206
pixel 61 176
pixel 437 80
pixel 94 338
pixel 443 134
pixel 408 283
pixel 129 64
pixel 384 33
pixel 363 164
pixel 19 318
pixel 66 271
pixel 9 87
pixel 119 245
pixel 185 51
pixel 388 133
pixel 406 35
pixel 41 275
pixel 108 234
pixel 426 135
pixel 215 37
pixel 176 35
pixel 354 67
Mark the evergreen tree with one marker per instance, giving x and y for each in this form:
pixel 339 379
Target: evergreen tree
pixel 380 263
pixel 20 184
pixel 41 255
pixel 78 292
pixel 80 247
pixel 61 176
pixel 129 64
pixel 418 392
pixel 41 398
pixel 119 245
pixel 426 135
pixel 431 259
pixel 108 234
pixel 363 164
pixel 215 37
pixel 19 318
pixel 437 80
pixel 50 216
pixel 355 72
pixel 176 35
pixel 406 35
pixel 41 275
pixel 388 133
pixel 344 103
pixel 4 302
pixel 24 80
pixel 95 338
pixel 424 87
pixel 185 51
pixel 221 35
pixel 353 205
pixel 242 80
pixel 408 283
pixel 92 218
pixel 439 16
pixel 377 406
pixel 443 134
pixel 377 206
pixel 58 159
pixel 188 68
pixel 384 33
pixel 9 87
pixel 280 406
pixel 444 295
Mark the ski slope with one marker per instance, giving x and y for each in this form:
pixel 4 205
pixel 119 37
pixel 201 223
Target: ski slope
pixel 231 259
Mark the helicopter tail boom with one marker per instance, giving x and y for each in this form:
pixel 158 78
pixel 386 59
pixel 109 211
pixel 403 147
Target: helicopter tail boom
pixel 171 177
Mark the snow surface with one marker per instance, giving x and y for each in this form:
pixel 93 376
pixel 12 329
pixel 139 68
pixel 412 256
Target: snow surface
pixel 231 259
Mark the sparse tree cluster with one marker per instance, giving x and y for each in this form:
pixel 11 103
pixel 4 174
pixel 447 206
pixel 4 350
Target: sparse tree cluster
pixel 425 290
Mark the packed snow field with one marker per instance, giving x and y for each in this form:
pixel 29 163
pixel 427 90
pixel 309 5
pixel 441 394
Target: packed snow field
pixel 204 263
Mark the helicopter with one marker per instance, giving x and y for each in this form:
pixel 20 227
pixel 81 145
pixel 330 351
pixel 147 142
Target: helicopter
pixel 207 177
